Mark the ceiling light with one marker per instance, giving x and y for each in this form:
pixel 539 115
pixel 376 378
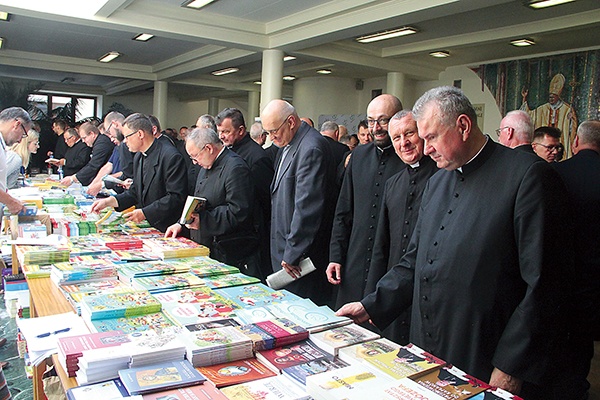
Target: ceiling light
pixel 4 16
pixel 1 42
pixel 143 37
pixel 324 71
pixel 257 82
pixel 537 4
pixel 196 4
pixel 108 57
pixel 440 54
pixel 407 30
pixel 289 77
pixel 289 58
pixel 522 42
pixel 225 71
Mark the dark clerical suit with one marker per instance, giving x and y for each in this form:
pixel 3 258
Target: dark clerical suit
pixel 76 157
pixel 397 219
pixel 261 169
pixel 356 216
pixel 483 267
pixel 159 185
pixel 101 152
pixel 302 210
pixel 227 225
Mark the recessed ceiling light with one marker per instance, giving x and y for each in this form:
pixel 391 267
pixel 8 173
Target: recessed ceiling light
pixel 225 71
pixel 522 42
pixel 257 82
pixel 537 4
pixel 4 16
pixel 407 30
pixel 289 77
pixel 196 4
pixel 1 42
pixel 324 71
pixel 108 57
pixel 289 58
pixel 440 54
pixel 143 37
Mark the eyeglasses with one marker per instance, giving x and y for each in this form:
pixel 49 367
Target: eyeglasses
pixel 131 134
pixel 558 147
pixel 381 122
pixel 499 131
pixel 194 157
pixel 274 131
pixel 23 127
pixel 69 138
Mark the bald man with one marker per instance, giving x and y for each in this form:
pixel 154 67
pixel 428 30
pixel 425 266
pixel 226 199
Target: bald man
pixel 302 199
pixel 357 212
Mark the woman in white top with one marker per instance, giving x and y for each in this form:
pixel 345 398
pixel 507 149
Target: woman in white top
pixel 18 156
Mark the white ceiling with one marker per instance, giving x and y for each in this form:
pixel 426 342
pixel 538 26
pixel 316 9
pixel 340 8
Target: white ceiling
pixel 189 44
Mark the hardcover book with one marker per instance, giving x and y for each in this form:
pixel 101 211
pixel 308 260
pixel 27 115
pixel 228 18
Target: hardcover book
pixel 156 377
pixel 192 205
pixel 234 372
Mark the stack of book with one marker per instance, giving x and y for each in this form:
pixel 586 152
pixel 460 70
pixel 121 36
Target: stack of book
pixel 223 281
pixel 165 283
pixel 75 292
pixel 71 348
pixel 161 376
pixel 334 339
pixel 308 315
pixel 256 295
pixel 132 270
pixel 204 266
pixel 41 255
pixel 116 305
pixel 153 347
pixel 354 382
pixel 215 346
pixel 274 388
pixel 190 307
pixel 98 365
pixel 279 358
pixel 175 247
pixel 235 372
pixel 140 323
pixel 274 333
pixel 68 272
pixel 121 241
pixel 299 373
pixel 359 353
pixel 86 246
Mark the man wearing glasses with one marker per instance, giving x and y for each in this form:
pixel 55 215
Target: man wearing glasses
pixel 359 202
pixel 77 155
pixel 14 124
pixel 546 143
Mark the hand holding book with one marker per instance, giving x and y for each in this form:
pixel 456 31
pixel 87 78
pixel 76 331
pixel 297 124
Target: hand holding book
pixel 192 205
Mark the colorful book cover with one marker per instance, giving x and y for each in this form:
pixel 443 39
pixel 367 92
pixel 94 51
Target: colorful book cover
pixel 255 295
pixel 365 350
pixel 293 354
pixel 496 394
pixel 149 268
pixel 283 330
pixel 156 377
pixel 334 339
pixel 206 391
pixel 234 372
pixel 354 382
pixel 274 388
pixel 223 281
pixel 261 340
pixel 162 283
pixel 178 247
pixel 301 371
pixel 139 323
pixel 410 361
pixel 408 389
pixel 190 306
pixel 253 315
pixel 452 383
pixel 215 338
pixel 307 314
pixel 115 305
pixel 212 324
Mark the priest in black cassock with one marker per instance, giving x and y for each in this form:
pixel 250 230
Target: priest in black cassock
pixel 485 267
pixel 399 210
pixel 359 202
pixel 159 186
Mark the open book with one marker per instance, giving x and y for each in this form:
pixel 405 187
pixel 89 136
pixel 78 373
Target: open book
pixel 281 278
pixel 192 205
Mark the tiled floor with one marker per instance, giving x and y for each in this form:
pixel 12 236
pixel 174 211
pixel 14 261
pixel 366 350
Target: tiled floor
pixel 19 385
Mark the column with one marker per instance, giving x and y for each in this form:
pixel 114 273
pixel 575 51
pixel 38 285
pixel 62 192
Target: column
pixel 396 82
pixel 213 106
pixel 272 76
pixel 159 107
pixel 253 103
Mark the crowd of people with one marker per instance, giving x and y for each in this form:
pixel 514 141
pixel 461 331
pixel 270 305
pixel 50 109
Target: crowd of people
pixel 421 226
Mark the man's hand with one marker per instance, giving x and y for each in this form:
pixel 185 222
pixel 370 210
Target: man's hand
pixel 67 180
pixel 292 270
pixel 173 231
pixel 94 188
pixel 195 224
pixel 334 273
pixel 127 183
pixel 136 216
pixel 505 381
pixel 355 311
pixel 100 205
pixel 15 206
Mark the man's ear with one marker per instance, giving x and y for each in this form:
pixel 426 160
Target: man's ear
pixel 464 125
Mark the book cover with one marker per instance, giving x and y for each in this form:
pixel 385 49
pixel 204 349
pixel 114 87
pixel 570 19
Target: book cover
pixel 212 324
pixel 161 283
pixel 261 340
pixel 255 295
pixel 192 205
pixel 253 315
pixel 274 388
pixel 354 382
pixel 115 305
pixel 334 339
pixel 301 371
pixel 204 266
pixel 178 247
pixel 234 372
pixel 308 315
pixel 196 305
pixel 409 361
pixel 112 389
pixel 293 354
pixel 406 388
pixel 156 377
pixel 72 347
pixel 496 394
pixel 283 330
pixel 205 391
pixel 362 351
pixel 139 323
pixel 452 383
pixel 223 281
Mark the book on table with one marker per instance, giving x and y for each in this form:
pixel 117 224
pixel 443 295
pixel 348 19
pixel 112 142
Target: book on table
pixel 409 361
pixel 292 354
pixel 255 295
pixel 214 346
pixel 308 315
pixel 223 281
pixel 275 388
pixel 362 351
pixel 354 382
pixel 334 339
pixel 273 333
pixel 192 205
pixel 299 373
pixel 164 283
pixel 452 383
pixel 178 247
pixel 234 372
pixel 111 389
pixel 137 323
pixel 204 266
pixel 116 305
pixel 406 388
pixel 206 391
pixel 162 376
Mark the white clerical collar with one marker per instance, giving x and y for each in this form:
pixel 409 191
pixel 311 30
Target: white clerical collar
pixel 475 156
pixel 415 165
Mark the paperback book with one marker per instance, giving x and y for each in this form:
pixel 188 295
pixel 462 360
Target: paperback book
pixel 234 372
pixel 206 391
pixel 410 361
pixel 406 388
pixel 192 205
pixel 334 339
pixel 308 315
pixel 157 377
pixel 274 388
pixel 178 247
pixel 451 383
pixel 366 350
pixel 112 389
pixel 139 323
pixel 115 305
pixel 354 382
pixel 214 346
pixel 163 283
pixel 283 357
pixel 300 372
pixel 205 266
pixel 223 281
pixel 255 295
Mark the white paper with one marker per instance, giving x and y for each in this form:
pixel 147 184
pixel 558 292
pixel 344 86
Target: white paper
pixel 279 279
pixel 32 327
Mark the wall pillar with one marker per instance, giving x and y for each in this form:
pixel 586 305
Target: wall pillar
pixel 396 83
pixel 160 101
pixel 272 76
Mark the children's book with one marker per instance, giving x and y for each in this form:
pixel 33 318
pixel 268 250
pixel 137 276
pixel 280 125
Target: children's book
pixel 451 383
pixel 178 247
pixel 212 324
pixel 334 339
pixel 71 348
pixel 214 346
pixel 132 270
pixel 115 305
pixel 253 314
pixel 204 266
pixel 234 372
pixel 163 283
pixel 156 377
pixel 255 295
pixel 308 315
pixel 139 323
pixel 224 281
pixel 283 330
pixel 192 205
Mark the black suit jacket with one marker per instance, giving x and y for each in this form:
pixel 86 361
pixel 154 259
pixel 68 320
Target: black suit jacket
pixel 76 158
pixel 161 192
pixel 101 152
